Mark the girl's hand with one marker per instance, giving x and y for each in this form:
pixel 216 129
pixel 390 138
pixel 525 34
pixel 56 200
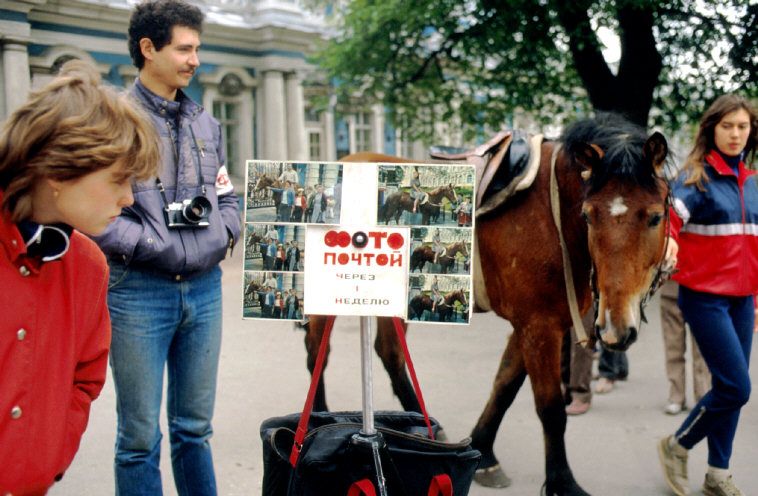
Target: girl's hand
pixel 670 257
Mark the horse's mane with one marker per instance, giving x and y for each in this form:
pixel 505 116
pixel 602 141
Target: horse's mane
pixel 622 143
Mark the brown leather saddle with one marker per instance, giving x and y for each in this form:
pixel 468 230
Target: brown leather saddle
pixel 505 164
pixel 502 165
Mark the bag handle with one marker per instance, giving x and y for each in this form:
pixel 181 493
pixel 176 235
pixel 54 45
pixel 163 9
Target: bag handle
pixel 302 426
pixel 412 372
pixel 363 486
pixel 441 485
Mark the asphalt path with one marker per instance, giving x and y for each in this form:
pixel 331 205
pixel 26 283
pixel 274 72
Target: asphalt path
pixel 611 449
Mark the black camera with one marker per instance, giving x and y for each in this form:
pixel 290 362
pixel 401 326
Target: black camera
pixel 189 213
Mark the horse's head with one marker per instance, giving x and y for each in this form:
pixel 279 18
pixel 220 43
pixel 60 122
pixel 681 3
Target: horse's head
pixel 454 248
pixel 262 182
pixel 457 295
pixel 625 207
pixel 449 193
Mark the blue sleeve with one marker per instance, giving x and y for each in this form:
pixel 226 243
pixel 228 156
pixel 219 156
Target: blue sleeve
pixel 687 198
pixel 121 237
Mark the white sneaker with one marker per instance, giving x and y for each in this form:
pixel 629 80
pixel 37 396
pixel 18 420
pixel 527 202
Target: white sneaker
pixel 724 488
pixel 674 467
pixel 674 408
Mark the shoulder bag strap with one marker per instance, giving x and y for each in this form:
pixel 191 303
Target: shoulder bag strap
pixel 412 372
pixel 302 426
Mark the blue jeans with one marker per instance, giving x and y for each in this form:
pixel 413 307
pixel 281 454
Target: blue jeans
pixel 161 322
pixel 723 329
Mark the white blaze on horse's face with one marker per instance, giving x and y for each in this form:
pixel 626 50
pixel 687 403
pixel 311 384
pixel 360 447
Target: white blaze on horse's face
pixel 617 207
pixel 625 237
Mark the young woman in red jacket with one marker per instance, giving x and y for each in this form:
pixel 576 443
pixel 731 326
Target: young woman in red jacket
pixel 714 240
pixel 67 158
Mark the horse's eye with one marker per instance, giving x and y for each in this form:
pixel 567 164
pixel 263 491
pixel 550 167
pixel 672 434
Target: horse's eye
pixel 655 219
pixel 586 218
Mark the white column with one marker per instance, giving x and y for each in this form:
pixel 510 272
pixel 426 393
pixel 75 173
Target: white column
pixel 330 143
pixel 274 135
pixel 377 128
pixel 16 79
pixel 297 143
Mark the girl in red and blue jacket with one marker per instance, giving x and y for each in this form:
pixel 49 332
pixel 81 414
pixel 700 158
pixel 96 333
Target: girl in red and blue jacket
pixel 714 243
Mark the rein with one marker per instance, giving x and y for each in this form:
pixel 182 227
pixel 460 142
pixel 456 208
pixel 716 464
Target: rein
pixel 568 277
pixel 662 272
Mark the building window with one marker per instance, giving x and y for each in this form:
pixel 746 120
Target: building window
pixel 362 132
pixel 227 114
pixel 314 145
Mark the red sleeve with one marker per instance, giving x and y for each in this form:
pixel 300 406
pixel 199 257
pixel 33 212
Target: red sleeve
pixel 89 375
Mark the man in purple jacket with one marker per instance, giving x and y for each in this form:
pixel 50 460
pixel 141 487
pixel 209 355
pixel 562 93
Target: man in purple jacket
pixel 164 254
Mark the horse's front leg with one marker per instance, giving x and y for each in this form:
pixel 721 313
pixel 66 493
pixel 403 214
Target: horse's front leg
pixel 388 349
pixel 314 330
pixel 545 375
pixel 509 378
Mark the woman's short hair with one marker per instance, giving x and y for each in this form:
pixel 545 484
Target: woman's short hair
pixel 72 127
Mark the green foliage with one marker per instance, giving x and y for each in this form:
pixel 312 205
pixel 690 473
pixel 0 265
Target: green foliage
pixel 474 64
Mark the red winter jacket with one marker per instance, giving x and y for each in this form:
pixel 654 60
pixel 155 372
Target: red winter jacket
pixel 717 230
pixel 54 339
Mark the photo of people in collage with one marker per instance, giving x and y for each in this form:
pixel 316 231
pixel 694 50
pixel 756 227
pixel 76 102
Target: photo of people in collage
pixel 436 202
pixel 281 198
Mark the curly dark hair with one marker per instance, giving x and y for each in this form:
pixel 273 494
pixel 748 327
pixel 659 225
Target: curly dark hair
pixel 155 20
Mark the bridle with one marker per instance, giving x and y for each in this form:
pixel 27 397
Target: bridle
pixel 663 271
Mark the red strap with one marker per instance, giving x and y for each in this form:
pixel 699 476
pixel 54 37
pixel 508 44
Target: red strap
pixel 302 426
pixel 412 372
pixel 363 486
pixel 441 485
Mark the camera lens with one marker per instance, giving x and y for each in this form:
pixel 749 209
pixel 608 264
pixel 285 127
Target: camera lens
pixel 198 208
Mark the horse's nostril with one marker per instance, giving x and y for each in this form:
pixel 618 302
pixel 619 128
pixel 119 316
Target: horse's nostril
pixel 631 336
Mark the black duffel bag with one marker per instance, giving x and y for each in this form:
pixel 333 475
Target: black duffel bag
pixel 325 454
pixel 330 461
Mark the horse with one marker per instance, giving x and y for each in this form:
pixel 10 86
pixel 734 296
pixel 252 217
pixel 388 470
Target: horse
pixel 401 200
pixel 422 302
pixel 266 181
pixel 613 219
pixel 252 244
pixel 424 253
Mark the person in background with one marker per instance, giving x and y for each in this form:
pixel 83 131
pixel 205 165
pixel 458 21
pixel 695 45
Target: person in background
pixel 67 159
pixel 289 174
pixel 576 369
pixel 463 212
pixel 715 211
pixel 675 346
pixel 165 284
pixel 612 366
pixel 416 192
pixel 287 202
pixel 300 205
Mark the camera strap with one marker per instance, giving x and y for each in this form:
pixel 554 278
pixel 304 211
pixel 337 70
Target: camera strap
pixel 199 169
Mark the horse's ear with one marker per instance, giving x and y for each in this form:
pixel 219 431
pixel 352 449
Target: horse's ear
pixel 655 150
pixel 588 155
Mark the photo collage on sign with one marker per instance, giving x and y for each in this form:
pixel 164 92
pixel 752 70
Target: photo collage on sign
pixel 281 198
pixel 436 202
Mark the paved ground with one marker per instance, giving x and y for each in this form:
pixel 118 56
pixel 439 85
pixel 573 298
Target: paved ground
pixel 611 448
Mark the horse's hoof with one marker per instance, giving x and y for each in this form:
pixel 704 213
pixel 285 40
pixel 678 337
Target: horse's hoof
pixel 493 476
